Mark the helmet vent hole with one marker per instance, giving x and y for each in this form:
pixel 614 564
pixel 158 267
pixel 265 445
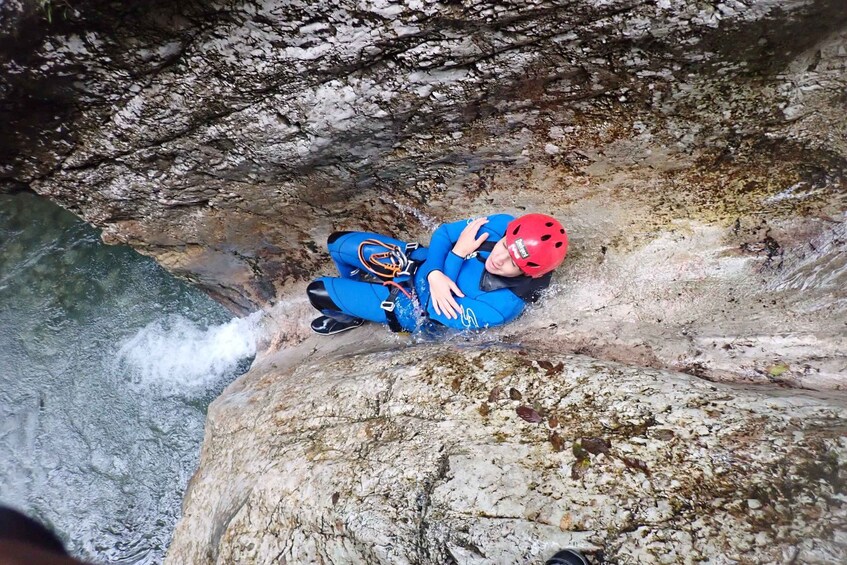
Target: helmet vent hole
pixel 516 230
pixel 549 224
pixel 558 244
pixel 546 237
pixel 531 264
pixel 562 230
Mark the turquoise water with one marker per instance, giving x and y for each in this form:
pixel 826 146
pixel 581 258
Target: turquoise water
pixel 107 366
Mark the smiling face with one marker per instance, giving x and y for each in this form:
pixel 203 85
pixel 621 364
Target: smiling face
pixel 500 262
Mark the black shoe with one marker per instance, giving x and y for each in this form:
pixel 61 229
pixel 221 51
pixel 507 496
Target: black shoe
pixel 567 557
pixel 325 325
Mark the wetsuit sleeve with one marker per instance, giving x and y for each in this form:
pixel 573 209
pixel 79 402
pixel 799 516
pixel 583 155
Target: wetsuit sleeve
pixel 491 309
pixel 452 265
pixel 440 257
pixel 497 224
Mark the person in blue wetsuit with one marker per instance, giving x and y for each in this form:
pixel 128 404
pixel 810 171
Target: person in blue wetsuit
pixel 475 274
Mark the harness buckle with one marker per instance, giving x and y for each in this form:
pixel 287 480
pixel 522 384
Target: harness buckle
pixel 388 305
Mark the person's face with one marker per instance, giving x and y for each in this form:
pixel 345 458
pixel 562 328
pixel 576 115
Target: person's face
pixel 500 262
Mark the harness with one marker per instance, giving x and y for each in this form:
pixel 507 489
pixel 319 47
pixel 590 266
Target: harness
pixel 399 264
pixel 390 264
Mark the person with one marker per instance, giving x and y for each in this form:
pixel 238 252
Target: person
pixel 476 273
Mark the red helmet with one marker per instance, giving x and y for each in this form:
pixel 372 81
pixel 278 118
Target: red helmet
pixel 537 243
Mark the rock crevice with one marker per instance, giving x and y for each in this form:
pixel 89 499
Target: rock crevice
pixel 695 151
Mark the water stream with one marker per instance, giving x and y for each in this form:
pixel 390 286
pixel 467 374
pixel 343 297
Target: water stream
pixel 107 366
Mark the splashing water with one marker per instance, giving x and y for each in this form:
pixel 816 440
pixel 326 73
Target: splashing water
pixel 429 222
pixel 102 397
pixel 174 356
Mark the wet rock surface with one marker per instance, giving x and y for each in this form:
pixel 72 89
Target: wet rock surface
pixel 227 140
pixel 483 454
pixel 696 153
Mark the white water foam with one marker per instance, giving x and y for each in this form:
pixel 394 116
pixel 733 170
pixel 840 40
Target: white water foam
pixel 175 356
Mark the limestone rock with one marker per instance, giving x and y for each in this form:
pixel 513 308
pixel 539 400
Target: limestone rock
pixel 228 138
pixel 696 152
pixel 420 456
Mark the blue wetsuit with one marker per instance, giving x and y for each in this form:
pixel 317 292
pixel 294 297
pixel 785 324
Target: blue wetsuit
pixel 489 300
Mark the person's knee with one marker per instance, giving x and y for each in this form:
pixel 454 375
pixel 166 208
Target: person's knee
pixel 319 296
pixel 335 236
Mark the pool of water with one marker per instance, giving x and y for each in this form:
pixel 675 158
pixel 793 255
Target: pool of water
pixel 107 366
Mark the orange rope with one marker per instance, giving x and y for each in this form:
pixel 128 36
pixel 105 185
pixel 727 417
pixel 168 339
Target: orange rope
pixel 392 268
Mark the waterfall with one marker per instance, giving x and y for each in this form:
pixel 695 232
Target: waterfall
pixel 107 367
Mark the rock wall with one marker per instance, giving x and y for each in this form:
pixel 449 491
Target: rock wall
pixel 227 138
pixel 696 152
pixel 484 454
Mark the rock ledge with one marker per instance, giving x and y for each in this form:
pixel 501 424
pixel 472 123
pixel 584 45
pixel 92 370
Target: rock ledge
pixel 485 454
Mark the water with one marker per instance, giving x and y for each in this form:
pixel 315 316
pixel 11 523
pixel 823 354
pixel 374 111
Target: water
pixel 107 366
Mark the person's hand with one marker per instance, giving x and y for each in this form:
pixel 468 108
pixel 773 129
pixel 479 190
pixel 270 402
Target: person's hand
pixel 468 242
pixel 441 289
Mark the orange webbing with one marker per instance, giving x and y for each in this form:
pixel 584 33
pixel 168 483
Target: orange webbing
pixel 400 287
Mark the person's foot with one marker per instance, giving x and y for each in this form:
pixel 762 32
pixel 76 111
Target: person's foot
pixel 325 325
pixel 567 557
